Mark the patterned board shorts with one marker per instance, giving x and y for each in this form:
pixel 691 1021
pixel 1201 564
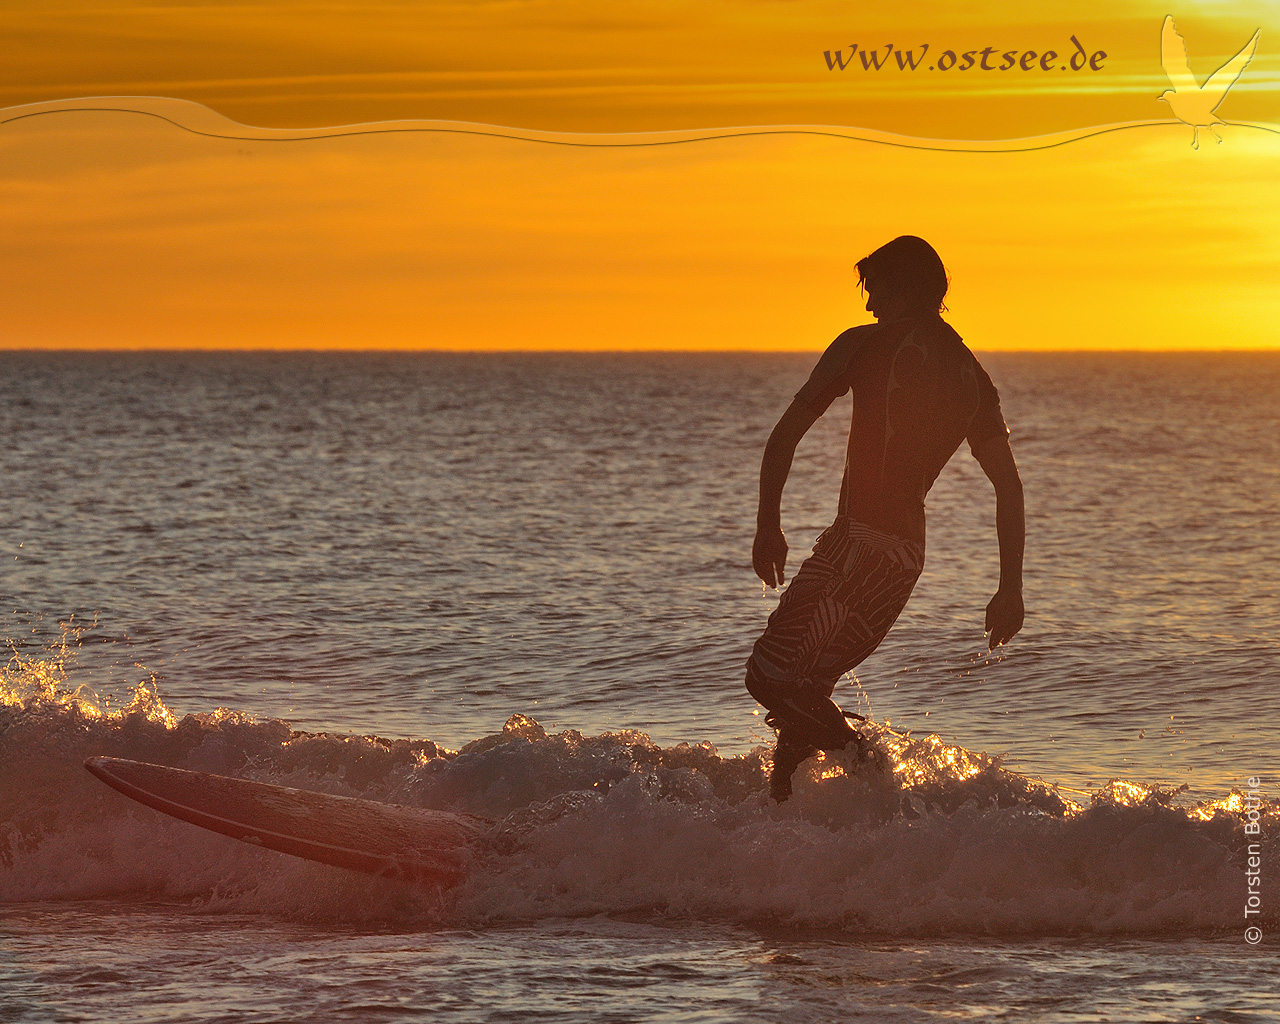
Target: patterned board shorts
pixel 836 610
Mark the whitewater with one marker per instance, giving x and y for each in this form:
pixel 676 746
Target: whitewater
pixel 942 841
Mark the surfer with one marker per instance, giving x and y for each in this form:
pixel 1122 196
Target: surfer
pixel 918 392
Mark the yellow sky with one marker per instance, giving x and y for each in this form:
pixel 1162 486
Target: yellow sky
pixel 121 231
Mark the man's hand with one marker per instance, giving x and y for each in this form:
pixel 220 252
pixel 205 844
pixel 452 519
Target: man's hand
pixel 1004 616
pixel 769 555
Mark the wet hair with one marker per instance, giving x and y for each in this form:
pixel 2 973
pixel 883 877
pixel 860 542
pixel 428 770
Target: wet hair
pixel 910 266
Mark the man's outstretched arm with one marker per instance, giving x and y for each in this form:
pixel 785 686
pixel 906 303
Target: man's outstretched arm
pixel 769 552
pixel 1005 612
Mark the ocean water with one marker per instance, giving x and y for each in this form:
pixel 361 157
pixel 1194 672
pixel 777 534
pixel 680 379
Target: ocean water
pixel 520 585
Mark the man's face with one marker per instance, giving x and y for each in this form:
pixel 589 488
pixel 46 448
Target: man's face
pixel 871 303
pixel 882 303
pixel 877 305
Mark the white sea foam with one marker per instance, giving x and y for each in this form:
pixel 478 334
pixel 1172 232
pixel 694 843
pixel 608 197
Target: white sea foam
pixel 946 842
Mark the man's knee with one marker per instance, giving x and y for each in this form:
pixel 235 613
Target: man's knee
pixel 753 688
pixel 758 684
pixel 800 707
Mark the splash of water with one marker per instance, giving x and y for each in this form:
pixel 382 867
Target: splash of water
pixel 937 840
pixel 38 684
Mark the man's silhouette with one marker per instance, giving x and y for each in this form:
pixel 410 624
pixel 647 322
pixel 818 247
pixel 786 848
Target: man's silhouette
pixel 918 392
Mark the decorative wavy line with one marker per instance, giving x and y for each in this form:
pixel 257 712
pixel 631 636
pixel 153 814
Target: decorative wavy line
pixel 198 119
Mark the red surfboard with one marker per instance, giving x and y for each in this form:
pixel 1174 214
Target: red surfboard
pixel 389 840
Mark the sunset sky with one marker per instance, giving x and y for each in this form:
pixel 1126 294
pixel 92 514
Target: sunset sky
pixel 118 229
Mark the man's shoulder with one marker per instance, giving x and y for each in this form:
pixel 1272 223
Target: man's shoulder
pixel 858 332
pixel 847 343
pixel 950 335
pixel 861 334
pixel 942 329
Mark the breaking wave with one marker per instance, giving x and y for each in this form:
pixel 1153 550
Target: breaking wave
pixel 940 840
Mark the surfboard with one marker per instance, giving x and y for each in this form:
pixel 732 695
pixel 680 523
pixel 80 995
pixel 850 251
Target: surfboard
pixel 389 840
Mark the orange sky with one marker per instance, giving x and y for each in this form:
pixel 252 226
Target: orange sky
pixel 117 230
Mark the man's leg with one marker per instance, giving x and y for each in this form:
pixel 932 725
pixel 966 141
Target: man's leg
pixel 807 721
pixel 834 613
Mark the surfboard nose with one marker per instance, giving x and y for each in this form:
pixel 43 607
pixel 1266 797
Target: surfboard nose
pixel 99 766
pixel 412 843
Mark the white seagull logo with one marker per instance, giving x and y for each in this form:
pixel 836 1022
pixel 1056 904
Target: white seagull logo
pixel 1191 102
